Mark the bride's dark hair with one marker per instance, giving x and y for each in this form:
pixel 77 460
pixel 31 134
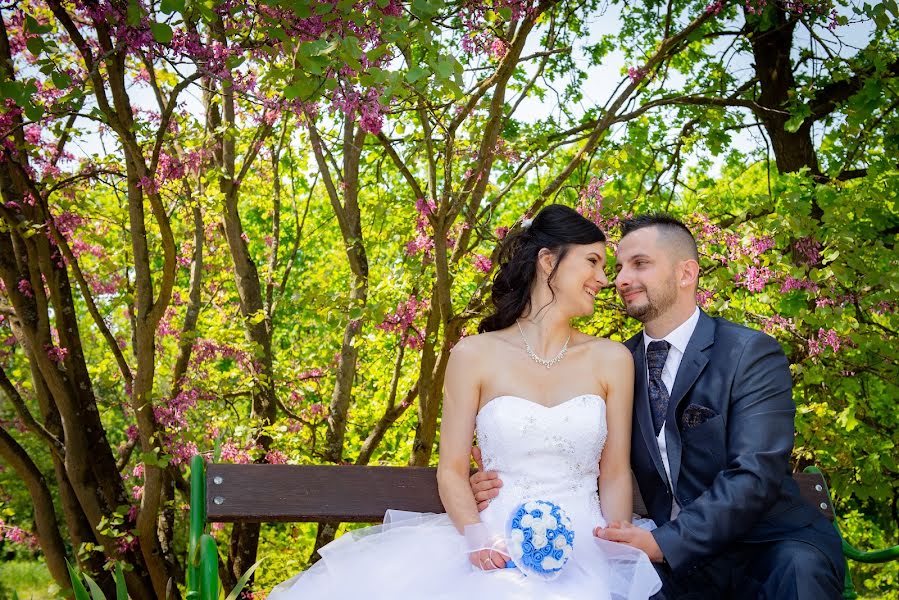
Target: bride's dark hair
pixel 555 228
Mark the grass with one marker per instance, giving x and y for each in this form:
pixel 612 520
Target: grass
pixel 29 579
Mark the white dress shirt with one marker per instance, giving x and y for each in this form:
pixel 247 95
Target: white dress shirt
pixel 678 340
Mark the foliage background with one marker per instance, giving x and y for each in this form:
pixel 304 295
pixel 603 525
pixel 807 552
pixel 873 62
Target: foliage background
pixel 269 222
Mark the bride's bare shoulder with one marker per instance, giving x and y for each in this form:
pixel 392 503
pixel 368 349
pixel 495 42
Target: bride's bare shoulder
pixel 479 345
pixel 606 351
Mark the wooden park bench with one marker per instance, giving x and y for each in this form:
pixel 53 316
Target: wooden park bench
pixel 229 493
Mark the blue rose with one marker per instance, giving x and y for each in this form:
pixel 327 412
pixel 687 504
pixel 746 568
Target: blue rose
pixel 557 554
pixel 550 534
pixel 537 513
pixel 527 547
pixel 516 523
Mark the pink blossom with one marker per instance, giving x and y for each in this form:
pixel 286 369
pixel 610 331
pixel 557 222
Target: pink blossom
pixel 498 49
pixel 825 339
pixel 127 543
pixel 56 354
pixel 754 279
pixel 482 263
pixel 703 297
pixel 33 134
pixel 316 409
pixel 777 322
pixel 25 288
pixel 231 453
pixel 636 74
pixel 792 283
pixel 276 457
pixel 808 249
pixel 501 232
pixel 715 7
pixel 591 199
pixel 402 321
pixel 245 237
pixel 425 208
pixel 311 374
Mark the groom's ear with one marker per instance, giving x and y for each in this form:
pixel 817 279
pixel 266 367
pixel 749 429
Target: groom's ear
pixel 688 273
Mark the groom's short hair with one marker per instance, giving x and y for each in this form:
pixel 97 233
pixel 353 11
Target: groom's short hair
pixel 672 231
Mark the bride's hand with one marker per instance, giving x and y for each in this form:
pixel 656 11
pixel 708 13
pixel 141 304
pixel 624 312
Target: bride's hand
pixel 488 559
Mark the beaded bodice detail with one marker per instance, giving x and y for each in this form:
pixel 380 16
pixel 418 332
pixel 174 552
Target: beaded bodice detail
pixel 542 452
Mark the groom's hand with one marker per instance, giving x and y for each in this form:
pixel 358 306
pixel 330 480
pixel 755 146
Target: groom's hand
pixel 484 484
pixel 633 536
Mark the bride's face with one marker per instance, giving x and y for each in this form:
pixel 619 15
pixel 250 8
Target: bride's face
pixel 579 277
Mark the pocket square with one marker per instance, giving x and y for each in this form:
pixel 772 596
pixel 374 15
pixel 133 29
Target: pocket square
pixel 695 415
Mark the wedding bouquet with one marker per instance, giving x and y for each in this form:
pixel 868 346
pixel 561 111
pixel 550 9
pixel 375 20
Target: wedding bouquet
pixel 539 538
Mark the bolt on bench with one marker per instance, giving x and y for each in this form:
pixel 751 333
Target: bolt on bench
pixel 229 493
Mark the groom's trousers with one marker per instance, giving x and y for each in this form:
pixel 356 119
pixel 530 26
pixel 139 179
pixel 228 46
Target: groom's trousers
pixel 776 570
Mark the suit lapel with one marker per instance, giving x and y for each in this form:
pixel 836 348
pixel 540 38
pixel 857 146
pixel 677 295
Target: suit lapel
pixel 641 407
pixel 691 366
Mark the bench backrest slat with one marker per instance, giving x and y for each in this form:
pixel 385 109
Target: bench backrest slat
pixel 293 493
pixel 265 493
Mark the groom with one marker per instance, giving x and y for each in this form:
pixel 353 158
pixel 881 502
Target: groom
pixel 711 442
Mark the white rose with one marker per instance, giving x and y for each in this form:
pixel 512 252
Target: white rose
pixel 550 522
pixel 517 536
pixel 539 541
pixel 560 542
pixel 549 563
pixel 531 506
pixel 527 521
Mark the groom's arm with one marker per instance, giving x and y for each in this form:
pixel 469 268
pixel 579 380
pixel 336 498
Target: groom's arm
pixel 759 434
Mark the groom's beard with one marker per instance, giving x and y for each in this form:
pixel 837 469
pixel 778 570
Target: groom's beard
pixel 656 304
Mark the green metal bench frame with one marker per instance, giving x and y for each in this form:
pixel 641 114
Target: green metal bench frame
pixel 287 493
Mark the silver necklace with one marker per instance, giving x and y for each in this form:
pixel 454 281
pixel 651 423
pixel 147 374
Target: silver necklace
pixel 545 362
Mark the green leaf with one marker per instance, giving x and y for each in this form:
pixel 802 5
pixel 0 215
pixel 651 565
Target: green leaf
pixel 303 88
pixel 34 112
pixel 121 589
pixel 171 6
pixel 506 13
pixel 797 118
pixel 444 68
pixel 238 587
pixel 135 13
pixel 77 587
pixel 415 73
pixel 61 80
pixel 96 592
pixel 424 9
pixel 35 45
pixel 162 33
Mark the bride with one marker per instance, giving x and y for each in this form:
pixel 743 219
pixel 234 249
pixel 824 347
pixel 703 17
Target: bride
pixel 551 409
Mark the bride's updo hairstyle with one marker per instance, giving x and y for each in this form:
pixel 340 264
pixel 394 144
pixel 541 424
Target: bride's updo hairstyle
pixel 555 228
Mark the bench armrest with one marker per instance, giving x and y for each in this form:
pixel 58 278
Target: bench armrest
pixel 872 557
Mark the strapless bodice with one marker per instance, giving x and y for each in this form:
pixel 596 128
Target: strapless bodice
pixel 544 452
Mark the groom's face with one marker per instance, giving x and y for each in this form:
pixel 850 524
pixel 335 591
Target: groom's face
pixel 646 278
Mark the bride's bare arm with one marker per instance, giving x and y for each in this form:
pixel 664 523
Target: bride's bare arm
pixel 460 407
pixel 615 483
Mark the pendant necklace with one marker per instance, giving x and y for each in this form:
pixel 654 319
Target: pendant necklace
pixel 545 362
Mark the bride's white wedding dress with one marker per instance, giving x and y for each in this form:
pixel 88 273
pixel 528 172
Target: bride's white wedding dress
pixel 543 453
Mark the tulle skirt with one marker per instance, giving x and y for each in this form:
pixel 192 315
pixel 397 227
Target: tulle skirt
pixel 414 555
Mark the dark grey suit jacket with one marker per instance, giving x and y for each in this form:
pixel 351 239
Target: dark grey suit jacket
pixel 729 434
